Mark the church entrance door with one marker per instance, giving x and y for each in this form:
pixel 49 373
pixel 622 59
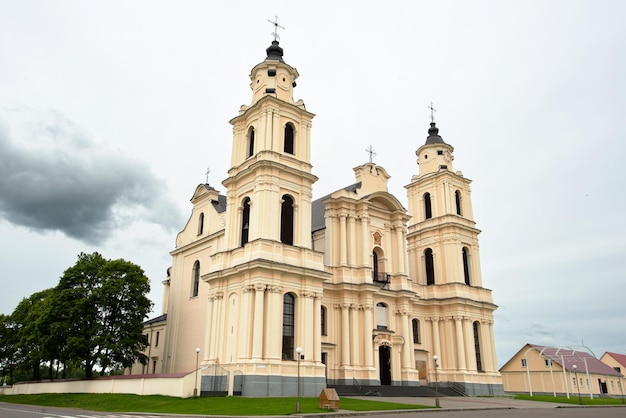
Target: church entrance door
pixel 384 360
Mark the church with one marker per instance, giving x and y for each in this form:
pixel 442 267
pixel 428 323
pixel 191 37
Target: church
pixel 271 291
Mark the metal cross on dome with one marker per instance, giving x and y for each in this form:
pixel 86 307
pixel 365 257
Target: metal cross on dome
pixel 432 112
pixel 276 26
pixel 208 170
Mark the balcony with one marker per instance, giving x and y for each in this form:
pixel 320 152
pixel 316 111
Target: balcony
pixel 381 277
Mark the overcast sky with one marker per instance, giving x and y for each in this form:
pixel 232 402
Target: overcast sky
pixel 111 112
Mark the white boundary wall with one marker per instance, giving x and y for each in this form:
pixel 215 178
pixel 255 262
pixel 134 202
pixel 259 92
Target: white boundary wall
pixel 179 385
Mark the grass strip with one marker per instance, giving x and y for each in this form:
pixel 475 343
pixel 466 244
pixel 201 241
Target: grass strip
pixel 235 406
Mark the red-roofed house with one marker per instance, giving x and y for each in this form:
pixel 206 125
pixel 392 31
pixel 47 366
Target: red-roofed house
pixel 615 360
pixel 538 369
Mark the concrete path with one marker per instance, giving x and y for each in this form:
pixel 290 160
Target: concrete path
pixel 462 402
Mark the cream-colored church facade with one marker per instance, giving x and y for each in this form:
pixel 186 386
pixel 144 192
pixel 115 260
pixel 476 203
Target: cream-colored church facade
pixel 366 289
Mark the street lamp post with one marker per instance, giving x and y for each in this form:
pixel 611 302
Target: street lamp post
pixel 299 352
pixel 435 358
pixel 195 387
pixel 580 401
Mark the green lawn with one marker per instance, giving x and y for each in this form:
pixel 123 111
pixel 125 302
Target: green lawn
pixel 572 400
pixel 204 405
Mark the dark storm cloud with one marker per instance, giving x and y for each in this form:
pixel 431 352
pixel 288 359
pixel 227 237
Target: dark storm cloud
pixel 55 177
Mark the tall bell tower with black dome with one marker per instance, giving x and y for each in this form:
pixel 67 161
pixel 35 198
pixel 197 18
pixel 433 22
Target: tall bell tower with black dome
pixel 265 285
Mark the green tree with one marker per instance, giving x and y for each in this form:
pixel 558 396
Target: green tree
pixel 8 340
pixel 101 307
pixel 32 339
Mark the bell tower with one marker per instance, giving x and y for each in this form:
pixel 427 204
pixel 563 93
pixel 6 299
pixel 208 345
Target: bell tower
pixel 444 261
pixel 270 182
pixel 266 282
pixel 442 237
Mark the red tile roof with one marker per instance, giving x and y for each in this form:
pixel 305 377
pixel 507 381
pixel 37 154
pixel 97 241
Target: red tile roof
pixel 620 358
pixel 568 357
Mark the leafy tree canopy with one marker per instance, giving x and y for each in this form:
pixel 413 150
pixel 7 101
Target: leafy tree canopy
pixel 93 317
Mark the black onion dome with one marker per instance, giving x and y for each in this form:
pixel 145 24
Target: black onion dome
pixel 433 135
pixel 274 52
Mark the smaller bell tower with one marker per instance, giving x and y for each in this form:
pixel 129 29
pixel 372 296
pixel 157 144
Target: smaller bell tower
pixel 442 237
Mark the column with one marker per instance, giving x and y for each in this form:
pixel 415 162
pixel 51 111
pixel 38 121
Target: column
pixel 306 153
pixel 273 331
pixel 352 240
pixel 305 332
pixel 342 240
pixel 257 333
pixel 470 353
pixel 317 328
pixel 446 197
pixel 405 254
pixel 277 133
pixel 345 334
pixel 297 236
pixel 438 254
pixel 221 339
pixel 244 326
pixel 436 341
pixel 460 343
pixel 401 253
pixel 486 345
pixel 208 327
pixel 368 349
pixel 493 347
pixel 408 340
pixel 216 326
pixel 260 132
pixel 365 239
pixel 449 356
pixel 267 135
pixel 355 331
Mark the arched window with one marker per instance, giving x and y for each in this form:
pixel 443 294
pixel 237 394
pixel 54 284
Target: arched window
pixel 374 266
pixel 201 224
pixel 466 266
pixel 251 142
pixel 289 312
pixel 196 279
pixel 428 211
pixel 417 339
pixel 245 221
pixel 288 148
pixel 479 363
pixel 381 316
pixel 286 220
pixel 378 266
pixel 430 266
pixel 323 320
pixel 457 199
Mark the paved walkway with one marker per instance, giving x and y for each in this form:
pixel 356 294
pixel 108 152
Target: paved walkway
pixel 462 402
